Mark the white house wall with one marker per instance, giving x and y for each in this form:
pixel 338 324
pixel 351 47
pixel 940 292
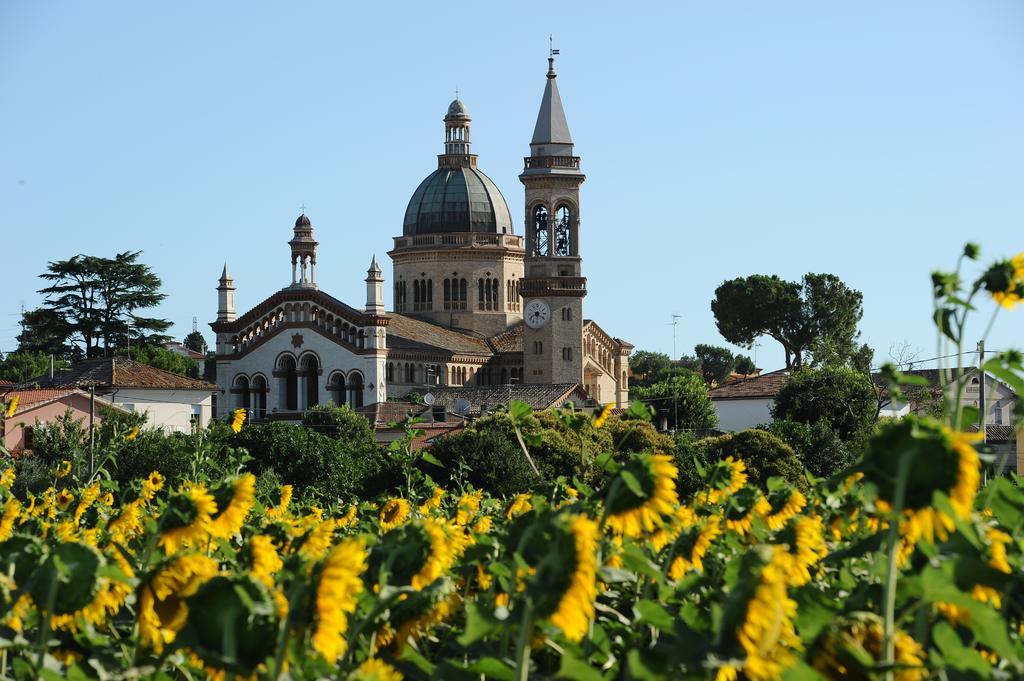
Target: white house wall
pixel 171 410
pixel 332 358
pixel 743 414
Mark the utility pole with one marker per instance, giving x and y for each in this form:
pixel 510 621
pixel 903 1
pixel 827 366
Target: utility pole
pixel 92 430
pixel 674 323
pixel 981 390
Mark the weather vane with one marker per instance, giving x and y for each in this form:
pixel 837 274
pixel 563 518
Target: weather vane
pixel 303 208
pixel 551 46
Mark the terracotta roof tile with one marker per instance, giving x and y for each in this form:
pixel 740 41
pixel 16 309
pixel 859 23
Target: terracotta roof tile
pixel 119 372
pixel 391 412
pixel 406 333
pixel 537 396
pixel 756 387
pixel 31 397
pixel 510 340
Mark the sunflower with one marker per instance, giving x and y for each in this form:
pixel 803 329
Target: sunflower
pixel 187 519
pixel 784 505
pixel 12 507
pixel 419 624
pixel 318 540
pixel 740 515
pixel 237 419
pixel 393 513
pixel 153 483
pixel 64 499
pixel 520 505
pixel 806 541
pixel 483 525
pixel 433 502
pixel 602 416
pixel 63 469
pixel 576 608
pixel 229 521
pixel 132 434
pixel 845 649
pixel 349 517
pixel 632 511
pixel 375 670
pixel 265 561
pixel 162 607
pixel 1005 281
pixel 336 597
pixel 284 500
pixel 469 504
pixel 110 597
pixel 691 548
pixel 7 478
pixel 727 477
pixel 128 525
pixel 446 545
pixel 767 634
pixel 997 541
pixel 12 406
pixel 89 495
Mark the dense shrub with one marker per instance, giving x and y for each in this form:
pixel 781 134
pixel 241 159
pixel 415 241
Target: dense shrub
pixel 839 396
pixel 318 466
pixel 683 395
pixel 340 423
pixel 818 446
pixel 491 460
pixel 764 454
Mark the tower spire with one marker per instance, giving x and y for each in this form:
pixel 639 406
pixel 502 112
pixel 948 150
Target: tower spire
pixel 551 133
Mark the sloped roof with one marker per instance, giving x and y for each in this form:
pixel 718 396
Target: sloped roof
pixel 551 125
pixel 119 372
pixel 406 333
pixel 995 432
pixel 757 387
pixel 31 398
pixel 391 412
pixel 509 340
pixel 541 396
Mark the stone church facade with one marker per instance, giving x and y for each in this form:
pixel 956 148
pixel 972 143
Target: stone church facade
pixel 473 303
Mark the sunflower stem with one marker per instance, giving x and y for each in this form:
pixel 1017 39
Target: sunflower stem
pixel 44 628
pixel 282 631
pixel 892 575
pixel 523 645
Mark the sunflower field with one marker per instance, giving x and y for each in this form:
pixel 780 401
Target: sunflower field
pixel 906 566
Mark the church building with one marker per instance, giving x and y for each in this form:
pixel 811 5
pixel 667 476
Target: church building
pixel 474 303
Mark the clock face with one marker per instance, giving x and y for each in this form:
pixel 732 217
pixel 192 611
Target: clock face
pixel 537 314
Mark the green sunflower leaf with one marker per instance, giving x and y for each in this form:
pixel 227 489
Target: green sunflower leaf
pixel 632 483
pixel 655 615
pixel 574 669
pixel 479 624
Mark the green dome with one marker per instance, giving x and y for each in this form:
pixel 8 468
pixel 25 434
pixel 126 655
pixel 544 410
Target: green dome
pixel 457 200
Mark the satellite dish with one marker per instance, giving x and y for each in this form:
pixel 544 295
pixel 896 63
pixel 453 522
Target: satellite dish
pixel 429 399
pixel 462 406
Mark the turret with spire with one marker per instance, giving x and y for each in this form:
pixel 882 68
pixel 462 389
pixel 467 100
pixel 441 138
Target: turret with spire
pixel 303 247
pixel 554 286
pixel 226 297
pixel 374 289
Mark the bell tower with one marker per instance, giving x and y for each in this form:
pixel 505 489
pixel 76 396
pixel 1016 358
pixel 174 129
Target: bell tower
pixel 553 286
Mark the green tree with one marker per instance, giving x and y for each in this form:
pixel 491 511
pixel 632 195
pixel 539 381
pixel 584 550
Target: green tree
pixel 195 342
pixel 649 367
pixel 340 423
pixel 98 299
pixel 44 331
pixel 682 399
pixel 24 366
pixel 716 363
pixel 818 446
pixel 162 358
pixel 839 396
pixel 820 311
pixel 744 365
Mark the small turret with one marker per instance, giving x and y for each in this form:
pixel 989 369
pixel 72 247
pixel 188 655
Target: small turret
pixel 374 289
pixel 226 297
pixel 303 247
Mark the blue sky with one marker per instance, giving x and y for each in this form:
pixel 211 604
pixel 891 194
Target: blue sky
pixel 865 139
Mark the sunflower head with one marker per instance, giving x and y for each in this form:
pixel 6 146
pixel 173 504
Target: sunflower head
pixel 63 469
pixel 855 644
pixel 238 603
pixel 12 406
pixel 941 461
pixel 187 518
pixel 393 513
pixel 1004 281
pixel 641 493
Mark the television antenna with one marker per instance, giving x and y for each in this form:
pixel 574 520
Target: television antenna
pixel 674 323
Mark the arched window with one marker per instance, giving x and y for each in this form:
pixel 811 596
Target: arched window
pixel 289 380
pixel 389 374
pixel 540 231
pixel 563 231
pixel 337 388
pixel 242 390
pixel 311 375
pixel 259 396
pixel 355 389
